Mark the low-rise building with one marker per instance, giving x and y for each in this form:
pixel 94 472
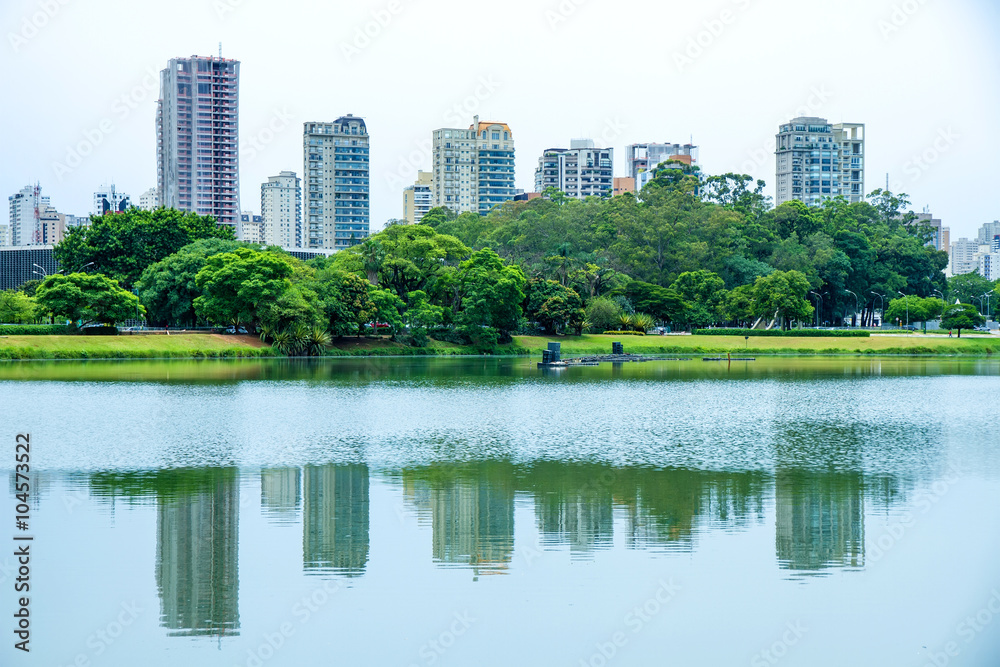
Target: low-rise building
pixel 418 198
pixel 19 264
pixel 109 200
pixel 623 184
pixel 580 171
pixel 250 228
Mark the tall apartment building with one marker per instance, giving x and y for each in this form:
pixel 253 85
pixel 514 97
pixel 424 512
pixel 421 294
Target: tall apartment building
pixel 147 200
pixel 109 200
pixel 250 228
pixel 580 171
pixel 988 232
pixel 281 210
pixel 989 265
pixel 52 224
pixel 336 182
pixel 942 235
pixel 197 137
pixel 817 160
pixel 642 159
pixel 26 208
pixel 964 257
pixel 474 168
pixel 418 198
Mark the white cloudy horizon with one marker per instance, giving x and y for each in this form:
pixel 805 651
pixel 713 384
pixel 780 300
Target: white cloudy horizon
pixel 922 76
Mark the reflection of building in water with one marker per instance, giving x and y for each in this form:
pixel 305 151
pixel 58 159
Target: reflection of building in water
pixel 335 518
pixel 573 505
pixel 197 540
pixel 819 520
pixel 280 494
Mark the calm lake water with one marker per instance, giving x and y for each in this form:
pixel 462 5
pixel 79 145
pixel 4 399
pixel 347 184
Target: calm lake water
pixel 482 512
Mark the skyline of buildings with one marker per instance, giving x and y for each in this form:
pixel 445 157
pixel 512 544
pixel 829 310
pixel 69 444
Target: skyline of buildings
pixel 473 168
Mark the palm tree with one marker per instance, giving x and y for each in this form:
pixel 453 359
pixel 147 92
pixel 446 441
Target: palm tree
pixel 626 321
pixel 319 340
pixel 373 255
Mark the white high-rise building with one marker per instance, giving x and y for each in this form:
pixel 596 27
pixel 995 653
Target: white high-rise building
pixel 941 239
pixel 250 228
pixel 418 198
pixel 818 160
pixel 989 265
pixel 109 200
pixel 147 200
pixel 336 184
pixel 643 159
pixel 988 232
pixel 281 210
pixel 473 168
pixel 580 171
pixel 964 257
pixel 198 137
pixel 26 208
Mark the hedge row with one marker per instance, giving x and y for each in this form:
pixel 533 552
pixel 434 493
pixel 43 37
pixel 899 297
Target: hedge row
pixel 35 330
pixel 793 333
pixel 624 333
pixel 27 353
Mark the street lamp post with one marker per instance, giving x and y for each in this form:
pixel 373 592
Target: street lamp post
pixel 988 295
pixel 881 309
pixel 857 302
pixel 818 309
pixel 84 266
pixel 907 309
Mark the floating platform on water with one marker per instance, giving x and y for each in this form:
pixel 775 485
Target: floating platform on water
pixel 606 359
pixel 729 359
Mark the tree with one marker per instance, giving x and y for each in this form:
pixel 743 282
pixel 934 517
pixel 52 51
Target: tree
pixel 664 304
pixel 555 306
pixel 168 288
pixel 87 298
pixel 414 257
pixel 422 314
pixel 911 309
pixel 962 316
pixel 123 245
pixel 346 300
pixel 237 286
pixel 491 293
pixel 968 286
pixel 388 309
pixel 603 315
pixel 783 294
pixel 17 308
pixel 703 292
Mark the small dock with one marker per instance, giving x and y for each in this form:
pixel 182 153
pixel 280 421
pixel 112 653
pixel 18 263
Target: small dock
pixel 552 357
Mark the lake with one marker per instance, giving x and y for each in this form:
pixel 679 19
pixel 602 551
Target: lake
pixel 480 511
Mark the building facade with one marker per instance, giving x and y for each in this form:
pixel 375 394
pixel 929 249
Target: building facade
pixel 623 184
pixel 989 265
pixel 26 208
pixel 473 169
pixel 109 200
pixel 250 228
pixel 580 171
pixel 147 200
pixel 418 198
pixel 963 257
pixel 642 159
pixel 197 138
pixel 18 265
pixel 818 160
pixel 281 210
pixel 941 239
pixel 336 182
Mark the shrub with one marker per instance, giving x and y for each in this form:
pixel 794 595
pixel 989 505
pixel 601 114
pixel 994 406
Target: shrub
pixel 603 314
pixel 624 333
pixel 36 330
pixel 793 333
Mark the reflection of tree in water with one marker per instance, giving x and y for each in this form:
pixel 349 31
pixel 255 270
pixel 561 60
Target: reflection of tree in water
pixel 472 512
pixel 197 543
pixel 666 507
pixel 335 518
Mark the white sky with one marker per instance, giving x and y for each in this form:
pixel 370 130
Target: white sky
pixel 556 70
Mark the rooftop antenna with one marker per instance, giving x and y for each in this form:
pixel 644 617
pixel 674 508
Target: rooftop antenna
pixel 886 181
pixel 220 50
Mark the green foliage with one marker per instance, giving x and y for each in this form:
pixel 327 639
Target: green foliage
pixel 961 316
pixel 783 294
pixel 240 287
pixel 168 288
pixel 602 314
pixel 968 286
pixel 910 309
pixel 36 330
pixel 625 333
pixel 664 304
pixel 87 298
pixel 18 308
pixel 555 307
pixel 704 293
pixel 123 245
pixel 489 293
pixel 777 333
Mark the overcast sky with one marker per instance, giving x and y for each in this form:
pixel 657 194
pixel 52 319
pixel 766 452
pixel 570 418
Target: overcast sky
pixel 80 76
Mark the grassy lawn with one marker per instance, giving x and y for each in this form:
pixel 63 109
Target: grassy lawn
pixel 177 345
pixel 908 344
